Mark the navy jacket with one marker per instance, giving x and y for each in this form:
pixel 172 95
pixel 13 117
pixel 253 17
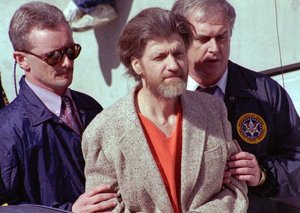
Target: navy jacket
pixel 2 94
pixel 41 160
pixel 266 124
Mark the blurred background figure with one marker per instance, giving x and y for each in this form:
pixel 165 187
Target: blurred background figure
pixel 3 98
pixel 84 15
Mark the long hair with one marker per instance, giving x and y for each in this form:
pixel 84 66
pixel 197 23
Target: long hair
pixel 147 24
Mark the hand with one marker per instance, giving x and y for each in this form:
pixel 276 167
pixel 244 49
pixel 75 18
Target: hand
pixel 226 176
pixel 99 199
pixel 243 166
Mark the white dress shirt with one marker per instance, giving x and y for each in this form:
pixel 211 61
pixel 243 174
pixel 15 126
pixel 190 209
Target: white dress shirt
pixel 192 85
pixel 50 99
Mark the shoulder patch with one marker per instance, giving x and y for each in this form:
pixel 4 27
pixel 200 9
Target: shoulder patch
pixel 251 128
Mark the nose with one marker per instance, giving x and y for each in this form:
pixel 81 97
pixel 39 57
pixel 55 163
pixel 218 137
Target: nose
pixel 172 63
pixel 66 62
pixel 213 46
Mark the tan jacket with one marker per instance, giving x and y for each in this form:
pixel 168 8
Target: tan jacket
pixel 116 152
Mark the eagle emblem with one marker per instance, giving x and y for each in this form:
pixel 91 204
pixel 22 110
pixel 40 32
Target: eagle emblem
pixel 251 128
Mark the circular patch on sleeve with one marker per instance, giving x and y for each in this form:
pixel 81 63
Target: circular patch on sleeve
pixel 251 128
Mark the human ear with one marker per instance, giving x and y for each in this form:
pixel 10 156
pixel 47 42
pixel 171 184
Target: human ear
pixel 21 60
pixel 136 66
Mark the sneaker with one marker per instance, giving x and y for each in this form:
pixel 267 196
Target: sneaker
pixel 72 12
pixel 100 16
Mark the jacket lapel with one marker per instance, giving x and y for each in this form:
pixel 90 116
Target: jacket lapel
pixel 86 109
pixel 135 147
pixel 236 88
pixel 37 111
pixel 193 141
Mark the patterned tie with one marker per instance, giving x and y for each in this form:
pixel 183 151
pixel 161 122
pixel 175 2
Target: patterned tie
pixel 209 90
pixel 68 115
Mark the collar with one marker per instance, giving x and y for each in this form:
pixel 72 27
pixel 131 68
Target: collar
pixel 51 100
pixel 192 84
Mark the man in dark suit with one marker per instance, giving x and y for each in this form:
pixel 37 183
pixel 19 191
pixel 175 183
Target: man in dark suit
pixel 41 160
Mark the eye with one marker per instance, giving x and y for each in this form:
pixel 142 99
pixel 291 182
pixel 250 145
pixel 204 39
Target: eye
pixel 54 54
pixel 53 58
pixel 71 53
pixel 179 53
pixel 159 57
pixel 202 39
pixel 222 37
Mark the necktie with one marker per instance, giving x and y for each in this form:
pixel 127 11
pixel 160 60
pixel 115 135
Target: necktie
pixel 209 90
pixel 68 115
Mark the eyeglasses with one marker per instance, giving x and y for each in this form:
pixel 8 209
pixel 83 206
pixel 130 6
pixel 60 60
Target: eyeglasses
pixel 54 57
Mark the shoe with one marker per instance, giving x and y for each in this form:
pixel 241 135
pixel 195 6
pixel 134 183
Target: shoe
pixel 100 16
pixel 72 12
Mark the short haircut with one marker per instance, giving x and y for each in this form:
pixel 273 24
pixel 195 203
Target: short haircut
pixel 147 24
pixel 33 15
pixel 206 10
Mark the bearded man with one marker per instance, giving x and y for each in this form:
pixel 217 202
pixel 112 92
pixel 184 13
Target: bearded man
pixel 164 149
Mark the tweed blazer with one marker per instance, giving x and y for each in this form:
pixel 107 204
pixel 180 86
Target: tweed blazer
pixel 116 152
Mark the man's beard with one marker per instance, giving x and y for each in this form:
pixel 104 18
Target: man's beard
pixel 172 89
pixel 168 90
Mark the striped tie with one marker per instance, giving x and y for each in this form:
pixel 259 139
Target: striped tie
pixel 209 90
pixel 68 115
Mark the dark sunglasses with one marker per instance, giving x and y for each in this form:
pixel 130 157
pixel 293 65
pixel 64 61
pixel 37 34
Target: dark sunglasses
pixel 54 57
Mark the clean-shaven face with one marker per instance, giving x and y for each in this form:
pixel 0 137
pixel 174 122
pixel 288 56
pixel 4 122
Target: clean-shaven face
pixel 209 53
pixel 53 78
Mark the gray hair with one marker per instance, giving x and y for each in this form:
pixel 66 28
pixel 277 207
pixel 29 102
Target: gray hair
pixel 148 24
pixel 206 10
pixel 33 15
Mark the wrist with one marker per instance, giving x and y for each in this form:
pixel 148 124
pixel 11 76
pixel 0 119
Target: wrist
pixel 263 176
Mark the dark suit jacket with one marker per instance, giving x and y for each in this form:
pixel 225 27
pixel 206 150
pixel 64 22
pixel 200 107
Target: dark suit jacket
pixel 276 144
pixel 41 160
